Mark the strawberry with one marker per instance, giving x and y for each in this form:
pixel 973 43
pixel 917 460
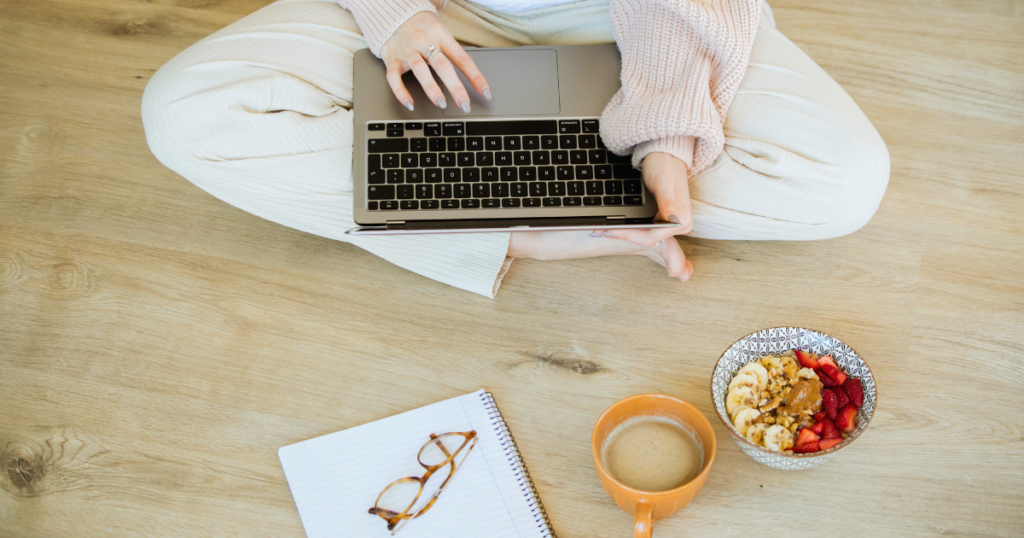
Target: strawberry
pixel 819 415
pixel 829 430
pixel 826 444
pixel 846 421
pixel 805 359
pixel 844 400
pixel 836 374
pixel 830 403
pixel 818 427
pixel 855 391
pixel 826 380
pixel 806 447
pixel 827 359
pixel 805 436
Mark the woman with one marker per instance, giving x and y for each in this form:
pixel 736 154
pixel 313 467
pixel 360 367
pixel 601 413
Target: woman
pixel 739 134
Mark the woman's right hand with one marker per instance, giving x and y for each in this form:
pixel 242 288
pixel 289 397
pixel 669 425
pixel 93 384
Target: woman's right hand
pixel 409 49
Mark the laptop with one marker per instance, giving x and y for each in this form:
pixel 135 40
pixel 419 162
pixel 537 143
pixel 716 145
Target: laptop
pixel 530 159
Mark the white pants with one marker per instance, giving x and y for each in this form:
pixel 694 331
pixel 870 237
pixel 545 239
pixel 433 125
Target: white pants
pixel 259 115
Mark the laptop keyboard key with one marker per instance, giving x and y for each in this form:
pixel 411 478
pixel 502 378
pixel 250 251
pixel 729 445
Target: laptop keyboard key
pixel 453 128
pixel 429 204
pixel 578 156
pixel 595 188
pixel 512 143
pixel 442 191
pixel 568 126
pixel 409 204
pixel 591 126
pixel 396 176
pixel 406 192
pixel 432 129
pixel 375 127
pixel 471 174
pixel 449 204
pixel 509 173
pixel 587 141
pixel 432 175
pixel 603 171
pixel 633 186
pixel 519 189
pixel 452 175
pixel 531 142
pixel 436 144
pixel 567 142
pixel 499 190
pixel 584 172
pixel 457 144
pixel 395 133
pixel 527 173
pixel 541 158
pixel 546 173
pixel 592 200
pixel 375 177
pixel 572 201
pixel 485 158
pixel 613 187
pixel 575 188
pixel 597 156
pixel 489 174
pixel 390 160
pixel 612 200
pixel 389 205
pixel 565 173
pixel 419 144
pixel 463 190
pixel 491 203
pixel 493 143
pixel 446 159
pixel 428 159
pixel 380 192
pixel 556 188
pixel 521 158
pixel 470 204
pixel 466 159
pixel 503 158
pixel 475 143
pixel 481 190
pixel 531 202
pixel 560 158
pixel 424 191
pixel 549 142
pixel 409 160
pixel 552 202
pixel 414 176
pixel 510 202
pixel 372 206
pixel 538 189
pixel 633 200
pixel 625 171
pixel 383 145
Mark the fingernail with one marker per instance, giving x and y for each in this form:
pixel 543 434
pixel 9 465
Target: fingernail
pixel 487 93
pixel 408 104
pixel 441 102
pixel 595 235
pixel 606 234
pixel 464 105
pixel 674 219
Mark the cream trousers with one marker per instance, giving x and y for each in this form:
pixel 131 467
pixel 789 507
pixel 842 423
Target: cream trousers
pixel 259 115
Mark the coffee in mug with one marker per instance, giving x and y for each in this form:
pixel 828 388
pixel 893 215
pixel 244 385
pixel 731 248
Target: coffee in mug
pixel 652 453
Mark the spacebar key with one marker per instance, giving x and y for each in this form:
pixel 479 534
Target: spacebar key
pixel 523 127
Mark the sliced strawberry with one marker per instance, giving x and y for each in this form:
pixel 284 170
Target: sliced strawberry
pixel 855 391
pixel 818 427
pixel 805 436
pixel 829 430
pixel 825 379
pixel 827 359
pixel 846 421
pixel 844 400
pixel 836 374
pixel 805 359
pixel 819 415
pixel 806 447
pixel 826 444
pixel 830 403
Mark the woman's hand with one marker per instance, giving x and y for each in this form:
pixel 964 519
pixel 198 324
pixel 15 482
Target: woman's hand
pixel 572 245
pixel 666 178
pixel 409 48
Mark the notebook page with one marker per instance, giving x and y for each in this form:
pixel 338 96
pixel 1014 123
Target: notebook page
pixel 336 478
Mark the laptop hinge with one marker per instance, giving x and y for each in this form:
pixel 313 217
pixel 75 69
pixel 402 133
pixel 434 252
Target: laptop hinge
pixel 617 217
pixel 396 224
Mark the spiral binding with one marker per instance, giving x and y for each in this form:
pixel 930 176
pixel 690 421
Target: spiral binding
pixel 514 457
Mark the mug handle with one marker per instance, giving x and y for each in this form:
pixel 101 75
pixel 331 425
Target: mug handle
pixel 643 525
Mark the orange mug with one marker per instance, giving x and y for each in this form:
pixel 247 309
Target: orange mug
pixel 647 506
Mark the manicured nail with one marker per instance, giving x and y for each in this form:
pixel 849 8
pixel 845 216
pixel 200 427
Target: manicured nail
pixel 464 105
pixel 674 219
pixel 441 102
pixel 408 104
pixel 487 93
pixel 595 235
pixel 606 234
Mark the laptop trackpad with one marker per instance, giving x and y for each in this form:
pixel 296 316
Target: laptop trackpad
pixel 521 81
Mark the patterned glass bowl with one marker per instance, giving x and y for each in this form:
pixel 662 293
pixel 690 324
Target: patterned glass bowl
pixel 774 341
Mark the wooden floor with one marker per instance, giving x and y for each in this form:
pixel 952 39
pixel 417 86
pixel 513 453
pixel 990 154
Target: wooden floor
pixel 157 346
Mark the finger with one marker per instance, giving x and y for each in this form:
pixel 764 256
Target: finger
pixel 446 71
pixel 394 77
pixel 464 62
pixel 426 78
pixel 647 237
pixel 675 260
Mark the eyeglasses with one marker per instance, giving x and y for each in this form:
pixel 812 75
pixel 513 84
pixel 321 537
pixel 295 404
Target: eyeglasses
pixel 411 497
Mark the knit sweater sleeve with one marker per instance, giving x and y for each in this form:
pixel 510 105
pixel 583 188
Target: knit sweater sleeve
pixel 378 19
pixel 682 63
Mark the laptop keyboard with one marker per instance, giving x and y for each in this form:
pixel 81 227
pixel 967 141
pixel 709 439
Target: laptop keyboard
pixel 496 164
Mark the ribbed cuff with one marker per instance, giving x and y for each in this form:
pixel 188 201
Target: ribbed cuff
pixel 378 19
pixel 679 146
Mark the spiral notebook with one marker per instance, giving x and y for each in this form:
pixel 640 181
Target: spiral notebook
pixel 336 478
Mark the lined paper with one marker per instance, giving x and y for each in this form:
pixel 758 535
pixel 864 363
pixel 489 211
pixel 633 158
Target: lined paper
pixel 336 478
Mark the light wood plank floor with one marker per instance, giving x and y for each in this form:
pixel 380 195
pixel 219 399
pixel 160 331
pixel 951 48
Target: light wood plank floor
pixel 157 346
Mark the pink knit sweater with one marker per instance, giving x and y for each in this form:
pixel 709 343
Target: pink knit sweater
pixel 682 63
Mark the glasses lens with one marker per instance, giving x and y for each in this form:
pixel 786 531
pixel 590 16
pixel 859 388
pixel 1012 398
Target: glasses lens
pixel 440 449
pixel 397 498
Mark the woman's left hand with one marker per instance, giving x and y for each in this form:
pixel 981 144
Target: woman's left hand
pixel 666 177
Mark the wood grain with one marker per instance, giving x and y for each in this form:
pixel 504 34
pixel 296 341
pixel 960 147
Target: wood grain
pixel 157 346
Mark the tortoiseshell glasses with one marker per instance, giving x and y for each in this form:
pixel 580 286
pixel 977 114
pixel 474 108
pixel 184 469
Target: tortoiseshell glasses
pixel 411 497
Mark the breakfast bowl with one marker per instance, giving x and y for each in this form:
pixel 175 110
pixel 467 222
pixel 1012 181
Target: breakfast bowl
pixel 776 341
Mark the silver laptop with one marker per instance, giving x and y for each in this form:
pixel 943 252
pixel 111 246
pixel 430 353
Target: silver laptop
pixel 530 159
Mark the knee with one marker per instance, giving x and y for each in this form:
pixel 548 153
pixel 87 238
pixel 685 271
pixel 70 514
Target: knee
pixel 164 127
pixel 859 175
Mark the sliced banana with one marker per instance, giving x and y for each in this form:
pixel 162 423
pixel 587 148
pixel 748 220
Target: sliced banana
pixel 806 373
pixel 759 371
pixel 755 433
pixel 770 361
pixel 748 380
pixel 743 396
pixel 744 419
pixel 778 438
